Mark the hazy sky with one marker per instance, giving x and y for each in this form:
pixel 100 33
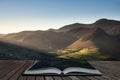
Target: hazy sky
pixel 19 15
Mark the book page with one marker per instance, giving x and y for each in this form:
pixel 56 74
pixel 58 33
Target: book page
pixel 81 70
pixel 45 67
pixel 44 71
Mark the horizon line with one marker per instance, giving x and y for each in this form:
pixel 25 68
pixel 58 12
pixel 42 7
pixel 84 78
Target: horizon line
pixel 59 27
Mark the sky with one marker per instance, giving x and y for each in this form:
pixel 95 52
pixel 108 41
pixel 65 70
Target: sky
pixel 20 15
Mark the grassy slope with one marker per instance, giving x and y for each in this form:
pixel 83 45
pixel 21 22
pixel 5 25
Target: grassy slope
pixel 83 54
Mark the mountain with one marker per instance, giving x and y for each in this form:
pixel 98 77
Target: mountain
pixel 102 35
pixel 97 38
pixel 42 40
pixel 79 32
pixel 71 26
pixel 112 27
pixel 85 36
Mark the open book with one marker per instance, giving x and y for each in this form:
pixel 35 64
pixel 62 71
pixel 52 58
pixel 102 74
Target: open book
pixel 65 68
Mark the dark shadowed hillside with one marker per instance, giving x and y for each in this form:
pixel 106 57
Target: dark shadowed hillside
pixel 12 51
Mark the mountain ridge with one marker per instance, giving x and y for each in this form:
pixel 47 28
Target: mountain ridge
pixel 112 27
pixel 104 34
pixel 46 40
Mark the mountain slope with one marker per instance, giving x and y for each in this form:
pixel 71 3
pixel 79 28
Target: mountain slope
pixel 12 51
pixel 112 27
pixel 44 40
pixel 72 26
pixel 98 38
pixel 1 35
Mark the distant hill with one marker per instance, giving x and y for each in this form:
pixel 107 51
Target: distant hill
pixel 72 26
pixel 110 26
pixel 44 40
pixel 1 35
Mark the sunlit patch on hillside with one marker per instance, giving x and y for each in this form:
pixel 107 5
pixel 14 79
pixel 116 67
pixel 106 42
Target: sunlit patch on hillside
pixel 84 51
pixel 75 53
pixel 83 54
